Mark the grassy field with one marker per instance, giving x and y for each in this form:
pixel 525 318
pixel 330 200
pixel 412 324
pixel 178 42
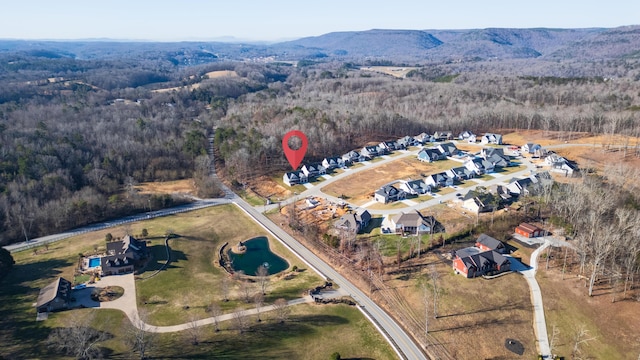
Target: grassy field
pixel 193 280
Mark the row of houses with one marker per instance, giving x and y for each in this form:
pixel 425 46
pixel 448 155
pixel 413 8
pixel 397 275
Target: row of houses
pixel 309 172
pixel 496 195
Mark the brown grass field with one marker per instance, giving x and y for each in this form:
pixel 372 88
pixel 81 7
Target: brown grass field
pixel 185 186
pixel 359 187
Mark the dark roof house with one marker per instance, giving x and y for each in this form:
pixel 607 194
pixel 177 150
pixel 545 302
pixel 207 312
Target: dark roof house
pixel 55 296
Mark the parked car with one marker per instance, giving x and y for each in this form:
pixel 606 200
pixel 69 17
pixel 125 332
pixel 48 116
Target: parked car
pixel 80 287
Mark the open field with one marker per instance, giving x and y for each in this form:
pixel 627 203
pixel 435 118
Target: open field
pixel 396 71
pixel 359 187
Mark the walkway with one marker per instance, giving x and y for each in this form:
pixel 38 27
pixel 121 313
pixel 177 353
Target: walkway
pixel 539 322
pixel 127 303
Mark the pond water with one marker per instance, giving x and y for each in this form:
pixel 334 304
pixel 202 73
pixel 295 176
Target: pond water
pixel 257 254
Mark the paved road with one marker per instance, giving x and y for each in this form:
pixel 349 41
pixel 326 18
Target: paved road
pixel 539 322
pixel 199 204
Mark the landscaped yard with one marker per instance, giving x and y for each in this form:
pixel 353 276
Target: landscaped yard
pixel 191 280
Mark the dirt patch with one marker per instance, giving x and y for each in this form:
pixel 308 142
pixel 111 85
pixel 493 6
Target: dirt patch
pixel 399 72
pixel 186 186
pixel 265 187
pixel 322 213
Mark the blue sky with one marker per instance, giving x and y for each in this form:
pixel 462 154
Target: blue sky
pixel 286 19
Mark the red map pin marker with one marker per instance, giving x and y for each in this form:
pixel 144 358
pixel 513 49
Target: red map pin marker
pixel 294 156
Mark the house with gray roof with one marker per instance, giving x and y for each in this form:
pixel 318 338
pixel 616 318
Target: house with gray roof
pixel 443 135
pixel 55 296
pixel 415 223
pixel 334 162
pixel 430 155
pixel 479 165
pixel 486 258
pixel 438 180
pixel 424 138
pixel 353 156
pixel 389 193
pixel 415 187
pixel 295 177
pixel 370 151
pixel 122 256
pixel 460 173
pixel 486 242
pixel 313 170
pixel 406 141
pixel 448 149
pixel 353 222
pixel 490 138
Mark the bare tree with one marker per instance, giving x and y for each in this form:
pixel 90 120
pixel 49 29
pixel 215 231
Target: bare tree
pixel 77 338
pixel 246 289
pixel 215 311
pixel 224 287
pixel 263 278
pixel 193 330
pixel 553 341
pixel 240 321
pixel 258 301
pixel 435 276
pixel 281 309
pixel 140 336
pixel 581 338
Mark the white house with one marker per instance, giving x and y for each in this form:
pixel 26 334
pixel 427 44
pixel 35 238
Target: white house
pixel 489 138
pixel 415 187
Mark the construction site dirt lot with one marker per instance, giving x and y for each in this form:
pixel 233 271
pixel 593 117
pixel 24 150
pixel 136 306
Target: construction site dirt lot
pixel 318 211
pixel 359 187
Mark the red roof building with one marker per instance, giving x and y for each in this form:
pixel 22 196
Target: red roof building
pixel 528 230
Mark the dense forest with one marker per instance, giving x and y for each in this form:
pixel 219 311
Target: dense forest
pixel 78 135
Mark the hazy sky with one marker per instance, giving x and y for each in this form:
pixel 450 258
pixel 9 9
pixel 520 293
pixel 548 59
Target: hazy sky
pixel 286 19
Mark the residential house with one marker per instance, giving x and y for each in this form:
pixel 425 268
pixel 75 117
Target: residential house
pixel 295 177
pixel 438 180
pixel 334 162
pixel 460 173
pixel 370 151
pixel 313 170
pixel 553 159
pixel 389 193
pixel 465 135
pixel 496 156
pixel 501 191
pixel 415 187
pixel 479 202
pixel 415 223
pixel 531 148
pixel 406 141
pixel 472 139
pixel 424 138
pixel 566 167
pixel 520 186
pixel 443 135
pixel 479 166
pixel 387 147
pixel 489 138
pixel 353 156
pixel 122 256
pixel 55 296
pixel 488 243
pixel 430 155
pixel 448 149
pixel 471 263
pixel 353 222
pixel 529 230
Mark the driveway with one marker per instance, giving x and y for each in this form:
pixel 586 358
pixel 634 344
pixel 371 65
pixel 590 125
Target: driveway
pixel 126 303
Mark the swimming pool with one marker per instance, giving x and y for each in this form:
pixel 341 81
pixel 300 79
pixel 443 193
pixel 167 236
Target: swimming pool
pixel 94 262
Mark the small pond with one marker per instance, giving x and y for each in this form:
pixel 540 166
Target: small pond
pixel 257 254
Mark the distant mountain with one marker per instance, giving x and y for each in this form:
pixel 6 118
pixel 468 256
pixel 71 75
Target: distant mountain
pixel 409 46
pixel 379 43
